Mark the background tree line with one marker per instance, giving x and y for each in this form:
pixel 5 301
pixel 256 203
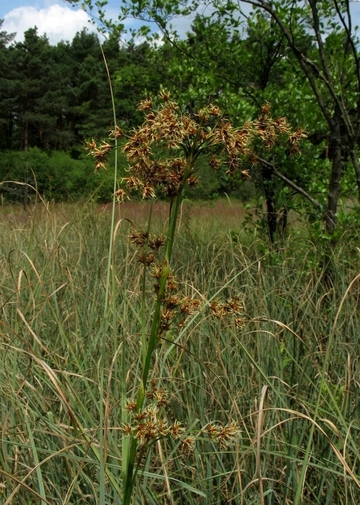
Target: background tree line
pixel 53 97
pixel 301 59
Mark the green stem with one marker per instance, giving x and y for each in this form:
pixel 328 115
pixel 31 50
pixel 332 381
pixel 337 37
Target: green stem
pixel 155 325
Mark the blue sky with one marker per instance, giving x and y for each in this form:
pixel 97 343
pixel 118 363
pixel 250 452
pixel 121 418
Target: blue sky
pixel 60 21
pixel 56 18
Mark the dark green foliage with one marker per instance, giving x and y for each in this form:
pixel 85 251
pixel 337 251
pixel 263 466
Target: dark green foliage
pixel 53 99
pixel 55 175
pixel 135 78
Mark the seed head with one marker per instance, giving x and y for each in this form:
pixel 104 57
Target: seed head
pixel 225 435
pixel 177 430
pixel 189 305
pixel 145 105
pixel 121 195
pixel 130 405
pixel 164 95
pixel 234 305
pixel 116 133
pixel 218 309
pixel 172 302
pixel 126 429
pixel 188 445
pixel 138 237
pixel 145 258
pixel 148 192
pixel 156 242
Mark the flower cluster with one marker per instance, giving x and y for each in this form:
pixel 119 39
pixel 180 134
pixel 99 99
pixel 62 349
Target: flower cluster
pixel 162 152
pixel 99 153
pixel 166 129
pixel 269 130
pixel 148 427
pixel 151 424
pixel 233 307
pixel 226 435
pixel 148 245
pixel 175 308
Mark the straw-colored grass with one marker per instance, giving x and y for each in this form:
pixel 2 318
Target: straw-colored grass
pixel 288 375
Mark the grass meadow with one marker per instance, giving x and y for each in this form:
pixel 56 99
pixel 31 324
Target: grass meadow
pixel 285 372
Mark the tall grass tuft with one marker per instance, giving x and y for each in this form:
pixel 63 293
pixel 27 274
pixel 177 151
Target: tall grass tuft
pixel 288 374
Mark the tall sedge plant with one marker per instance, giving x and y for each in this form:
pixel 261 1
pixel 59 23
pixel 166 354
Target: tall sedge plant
pixel 162 155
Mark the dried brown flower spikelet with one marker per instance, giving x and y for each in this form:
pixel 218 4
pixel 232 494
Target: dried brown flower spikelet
pixel 192 180
pixel 189 305
pixel 295 138
pixel 218 309
pixel 138 237
pixel 91 145
pixel 226 435
pixel 148 192
pixel 126 428
pixel 172 302
pixel 99 153
pixel 116 133
pixel 133 183
pixel 156 271
pixel 177 430
pixel 239 321
pixel 141 239
pixel 145 105
pixel 121 195
pixel 214 110
pixel 153 387
pixel 146 258
pixel 100 165
pixel 188 445
pixel 131 405
pixel 233 307
pixel 157 394
pixel 164 95
pixel 156 242
pixel 165 320
pixel 161 397
pixel 171 284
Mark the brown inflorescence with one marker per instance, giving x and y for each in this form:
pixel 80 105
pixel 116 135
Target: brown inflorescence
pixel 226 435
pixel 233 307
pixel 162 152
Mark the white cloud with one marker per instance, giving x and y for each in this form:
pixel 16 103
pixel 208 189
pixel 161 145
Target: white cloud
pixel 57 21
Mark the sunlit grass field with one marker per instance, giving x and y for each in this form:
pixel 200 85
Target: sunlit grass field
pixel 286 372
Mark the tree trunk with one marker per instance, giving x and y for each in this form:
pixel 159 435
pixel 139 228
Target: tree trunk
pixel 271 215
pixel 335 153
